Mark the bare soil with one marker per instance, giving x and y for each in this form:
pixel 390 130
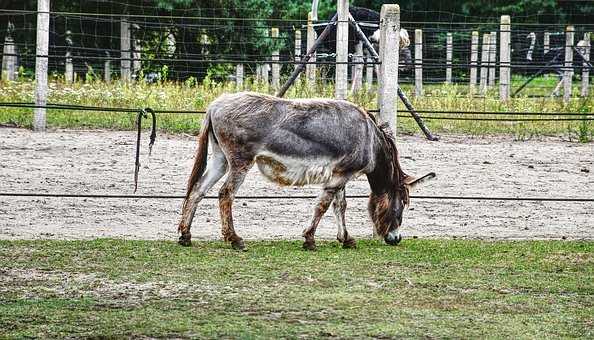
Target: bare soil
pixel 102 162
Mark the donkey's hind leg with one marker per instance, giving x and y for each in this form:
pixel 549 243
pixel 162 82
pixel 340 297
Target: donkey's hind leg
pixel 237 173
pixel 339 205
pixel 215 169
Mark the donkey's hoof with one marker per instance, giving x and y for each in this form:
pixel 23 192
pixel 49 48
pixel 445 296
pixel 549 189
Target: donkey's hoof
pixel 238 244
pixel 185 240
pixel 349 244
pixel 307 245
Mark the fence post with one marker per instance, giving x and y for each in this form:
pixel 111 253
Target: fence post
pixel 357 74
pixel 258 73
pixel 125 49
pixel 586 70
pixel 310 69
pixel 568 73
pixel 546 42
pixel 418 62
pixel 504 57
pixel 389 50
pixel 473 60
pixel 107 67
pixel 492 57
pixel 449 58
pixel 342 46
pixel 239 77
pixel 9 56
pixel 68 67
pixel 275 58
pixel 136 57
pixel 369 70
pixel 41 61
pixel 297 49
pixel 484 64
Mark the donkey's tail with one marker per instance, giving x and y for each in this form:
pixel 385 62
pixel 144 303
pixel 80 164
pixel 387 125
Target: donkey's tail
pixel 201 156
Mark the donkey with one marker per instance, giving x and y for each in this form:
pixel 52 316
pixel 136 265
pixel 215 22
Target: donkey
pixel 296 143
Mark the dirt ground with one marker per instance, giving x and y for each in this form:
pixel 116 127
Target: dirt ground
pixel 102 162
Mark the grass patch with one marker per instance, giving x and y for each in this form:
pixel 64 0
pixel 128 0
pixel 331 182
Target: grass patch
pixel 421 288
pixel 191 96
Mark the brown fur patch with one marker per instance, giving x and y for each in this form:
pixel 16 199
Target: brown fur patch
pixel 381 212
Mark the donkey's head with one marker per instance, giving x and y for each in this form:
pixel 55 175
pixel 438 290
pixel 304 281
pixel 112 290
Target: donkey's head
pixel 387 206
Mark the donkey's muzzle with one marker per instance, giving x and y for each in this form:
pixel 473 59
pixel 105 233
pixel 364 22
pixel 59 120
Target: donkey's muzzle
pixel 392 240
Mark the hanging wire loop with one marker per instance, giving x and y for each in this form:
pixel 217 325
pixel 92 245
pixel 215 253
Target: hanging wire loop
pixel 143 114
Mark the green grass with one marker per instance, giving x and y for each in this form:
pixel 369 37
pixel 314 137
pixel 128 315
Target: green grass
pixel 421 288
pixel 190 96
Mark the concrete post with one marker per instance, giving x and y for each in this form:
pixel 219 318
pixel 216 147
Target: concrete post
pixel 369 70
pixel 9 59
pixel 125 70
pixel 418 62
pixel 107 68
pixel 449 58
pixel 568 72
pixel 473 60
pixel 586 71
pixel 68 67
pixel 357 74
pixel 389 53
pixel 492 58
pixel 310 69
pixel 546 42
pixel 136 58
pixel 504 57
pixel 342 46
pixel 239 77
pixel 275 58
pixel 297 49
pixel 41 62
pixel 484 64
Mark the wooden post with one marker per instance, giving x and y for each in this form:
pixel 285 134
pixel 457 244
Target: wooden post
pixel 568 73
pixel 369 70
pixel 546 42
pixel 41 62
pixel 310 69
pixel 504 57
pixel 342 49
pixel 473 60
pixel 107 68
pixel 586 71
pixel 492 57
pixel 68 67
pixel 239 77
pixel 418 62
pixel 266 75
pixel 389 53
pixel 484 64
pixel 275 58
pixel 9 57
pixel 357 74
pixel 449 58
pixel 297 48
pixel 125 74
pixel 136 58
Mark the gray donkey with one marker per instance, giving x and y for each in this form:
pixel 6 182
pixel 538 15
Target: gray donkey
pixel 298 142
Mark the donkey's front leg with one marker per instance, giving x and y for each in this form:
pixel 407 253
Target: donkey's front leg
pixel 323 203
pixel 339 205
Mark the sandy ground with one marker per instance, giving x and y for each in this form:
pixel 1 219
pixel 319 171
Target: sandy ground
pixel 102 162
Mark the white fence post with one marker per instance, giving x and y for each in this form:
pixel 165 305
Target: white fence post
pixel 357 74
pixel 107 68
pixel 389 53
pixel 41 62
pixel 418 62
pixel 449 58
pixel 492 57
pixel 369 70
pixel 484 63
pixel 473 60
pixel 68 66
pixel 136 57
pixel 586 71
pixel 258 73
pixel 275 58
pixel 125 50
pixel 310 69
pixel 504 57
pixel 239 77
pixel 9 57
pixel 546 42
pixel 297 50
pixel 568 73
pixel 342 46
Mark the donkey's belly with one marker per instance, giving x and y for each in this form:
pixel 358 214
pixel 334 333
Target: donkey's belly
pixel 294 171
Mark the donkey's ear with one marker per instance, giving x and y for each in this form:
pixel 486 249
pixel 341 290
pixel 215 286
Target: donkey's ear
pixel 411 182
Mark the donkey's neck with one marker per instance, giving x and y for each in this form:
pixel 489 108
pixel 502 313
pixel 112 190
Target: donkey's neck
pixel 381 177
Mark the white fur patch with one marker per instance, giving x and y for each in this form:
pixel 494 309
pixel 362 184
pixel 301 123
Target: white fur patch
pixel 293 171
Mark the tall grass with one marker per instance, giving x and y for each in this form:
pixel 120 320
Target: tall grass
pixel 190 95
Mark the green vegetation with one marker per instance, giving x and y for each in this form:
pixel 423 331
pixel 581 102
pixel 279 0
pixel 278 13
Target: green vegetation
pixel 193 96
pixel 421 288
